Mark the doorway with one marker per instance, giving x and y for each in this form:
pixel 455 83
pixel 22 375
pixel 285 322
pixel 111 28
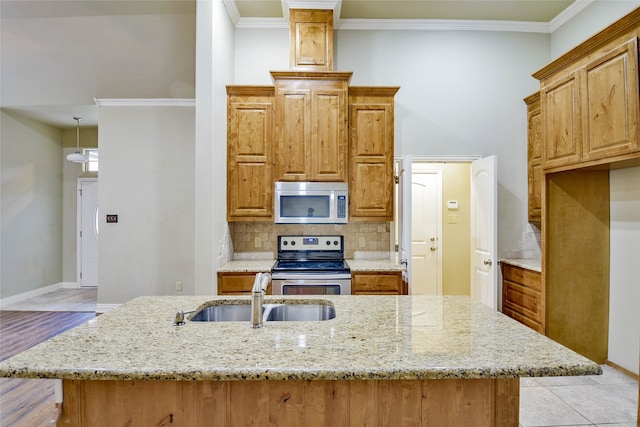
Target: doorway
pixel 453 241
pixel 88 232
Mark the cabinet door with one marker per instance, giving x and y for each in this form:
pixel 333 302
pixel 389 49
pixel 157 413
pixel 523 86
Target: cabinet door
pixel 562 122
pixel 328 148
pixel 240 283
pixel 371 156
pixel 293 134
pixel 311 39
pixel 611 103
pixel 534 156
pixel 249 151
pixel 377 283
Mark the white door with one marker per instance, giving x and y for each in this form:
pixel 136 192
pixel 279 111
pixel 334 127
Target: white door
pixel 426 226
pixel 88 232
pixel 403 215
pixel 484 189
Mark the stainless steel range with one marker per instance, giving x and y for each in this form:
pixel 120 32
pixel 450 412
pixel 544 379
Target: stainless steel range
pixel 311 265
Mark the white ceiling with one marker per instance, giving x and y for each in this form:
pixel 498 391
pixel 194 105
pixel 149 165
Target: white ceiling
pixel 539 15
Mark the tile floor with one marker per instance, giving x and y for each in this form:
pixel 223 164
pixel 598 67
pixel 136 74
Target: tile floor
pixel 610 399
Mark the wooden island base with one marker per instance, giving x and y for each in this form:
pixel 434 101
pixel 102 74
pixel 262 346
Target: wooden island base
pixel 455 402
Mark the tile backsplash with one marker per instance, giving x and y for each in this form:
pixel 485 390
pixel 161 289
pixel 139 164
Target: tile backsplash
pixel 529 246
pixel 362 240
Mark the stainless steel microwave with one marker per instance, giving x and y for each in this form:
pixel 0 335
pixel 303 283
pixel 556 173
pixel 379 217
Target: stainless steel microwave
pixel 311 202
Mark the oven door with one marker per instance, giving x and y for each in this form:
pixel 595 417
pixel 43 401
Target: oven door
pixel 323 284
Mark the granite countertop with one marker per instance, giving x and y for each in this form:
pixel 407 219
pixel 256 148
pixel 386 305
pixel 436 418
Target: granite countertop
pixel 371 337
pixel 534 264
pixel 261 265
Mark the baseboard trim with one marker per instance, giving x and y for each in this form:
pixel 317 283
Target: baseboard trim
pixel 105 308
pixel 623 370
pixel 38 291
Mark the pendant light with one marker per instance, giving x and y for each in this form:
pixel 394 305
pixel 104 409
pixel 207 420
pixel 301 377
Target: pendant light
pixel 77 157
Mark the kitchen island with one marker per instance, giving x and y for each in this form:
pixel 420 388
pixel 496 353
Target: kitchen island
pixel 383 360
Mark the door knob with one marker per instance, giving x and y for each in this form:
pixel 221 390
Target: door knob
pixel 433 248
pixel 487 262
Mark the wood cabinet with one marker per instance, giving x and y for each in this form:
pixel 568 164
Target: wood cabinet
pixel 311 39
pixel 522 296
pixel 534 157
pixel 589 105
pixel 249 153
pixel 291 403
pixel 589 102
pixel 237 283
pixel 371 150
pixel 311 126
pixel 376 283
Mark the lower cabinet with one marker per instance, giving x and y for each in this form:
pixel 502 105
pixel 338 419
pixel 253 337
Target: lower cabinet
pixel 377 283
pixel 237 283
pixel 522 297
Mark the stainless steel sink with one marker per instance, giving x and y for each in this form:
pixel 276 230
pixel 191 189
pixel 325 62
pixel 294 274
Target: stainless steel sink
pixel 300 312
pixel 281 312
pixel 223 313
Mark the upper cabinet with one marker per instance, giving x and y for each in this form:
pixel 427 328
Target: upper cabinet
pixel 534 157
pixel 311 35
pixel 310 126
pixel 371 151
pixel 249 153
pixel 589 100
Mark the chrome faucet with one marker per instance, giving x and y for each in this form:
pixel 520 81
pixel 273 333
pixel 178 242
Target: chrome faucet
pixel 257 298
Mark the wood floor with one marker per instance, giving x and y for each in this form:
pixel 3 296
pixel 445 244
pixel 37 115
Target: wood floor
pixel 26 402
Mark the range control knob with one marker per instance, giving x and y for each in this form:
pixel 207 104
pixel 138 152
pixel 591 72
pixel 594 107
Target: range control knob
pixel 328 242
pixel 293 243
pixel 285 243
pixel 335 242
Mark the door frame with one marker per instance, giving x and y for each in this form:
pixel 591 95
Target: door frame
pixel 399 161
pixel 79 182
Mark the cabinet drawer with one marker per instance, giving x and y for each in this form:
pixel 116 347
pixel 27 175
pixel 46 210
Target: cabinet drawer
pixel 378 283
pixel 522 299
pixel 237 283
pixel 523 319
pixel 528 278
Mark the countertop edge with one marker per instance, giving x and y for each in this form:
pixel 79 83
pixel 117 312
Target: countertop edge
pixel 533 264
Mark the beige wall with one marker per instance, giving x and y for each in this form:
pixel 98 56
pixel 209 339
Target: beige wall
pixel 456 238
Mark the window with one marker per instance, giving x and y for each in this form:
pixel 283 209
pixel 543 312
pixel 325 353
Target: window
pixel 92 164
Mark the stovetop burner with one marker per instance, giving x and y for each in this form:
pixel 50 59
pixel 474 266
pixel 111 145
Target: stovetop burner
pixel 311 254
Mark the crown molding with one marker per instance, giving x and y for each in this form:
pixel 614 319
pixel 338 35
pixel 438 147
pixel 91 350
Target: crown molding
pixel 408 25
pixel 442 25
pixel 145 102
pixel 232 11
pixel 262 23
pixel 563 17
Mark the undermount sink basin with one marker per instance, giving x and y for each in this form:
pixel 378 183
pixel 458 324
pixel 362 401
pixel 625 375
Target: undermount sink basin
pixel 289 311
pixel 300 312
pixel 223 313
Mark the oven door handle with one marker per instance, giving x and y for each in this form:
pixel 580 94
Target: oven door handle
pixel 287 276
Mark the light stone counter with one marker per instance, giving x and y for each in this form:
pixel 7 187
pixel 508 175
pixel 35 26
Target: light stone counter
pixel 253 265
pixel 247 265
pixel 533 264
pixel 358 265
pixel 371 337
